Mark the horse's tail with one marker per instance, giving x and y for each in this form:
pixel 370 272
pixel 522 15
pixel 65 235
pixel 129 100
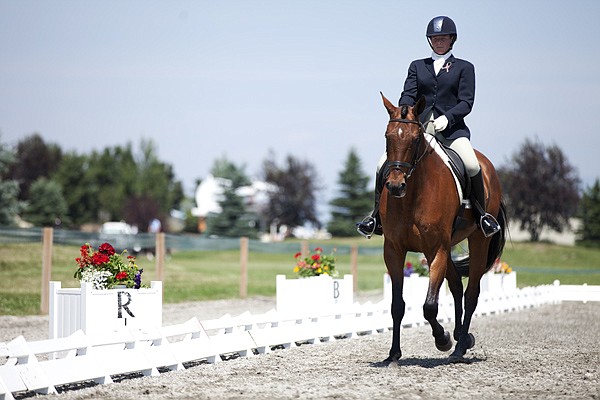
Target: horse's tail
pixel 495 249
pixel 499 239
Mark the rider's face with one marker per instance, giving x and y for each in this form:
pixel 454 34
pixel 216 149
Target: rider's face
pixel 441 44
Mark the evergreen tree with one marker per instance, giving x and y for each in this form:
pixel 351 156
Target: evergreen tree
pixel 355 200
pixel 234 220
pixel 47 206
pixel 10 206
pixel 589 233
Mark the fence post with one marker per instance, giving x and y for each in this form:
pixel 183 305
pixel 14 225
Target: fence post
pixel 304 248
pixel 243 267
pixel 47 235
pixel 354 267
pixel 160 256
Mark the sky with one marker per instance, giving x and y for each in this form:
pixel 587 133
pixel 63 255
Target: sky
pixel 244 79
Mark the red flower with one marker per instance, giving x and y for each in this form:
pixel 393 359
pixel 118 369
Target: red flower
pixel 121 275
pixel 316 257
pixel 319 249
pixel 297 255
pixel 99 259
pixel 107 249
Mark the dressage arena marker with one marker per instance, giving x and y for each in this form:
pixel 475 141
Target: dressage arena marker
pixel 41 366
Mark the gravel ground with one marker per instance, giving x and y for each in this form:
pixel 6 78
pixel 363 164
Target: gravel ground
pixel 550 352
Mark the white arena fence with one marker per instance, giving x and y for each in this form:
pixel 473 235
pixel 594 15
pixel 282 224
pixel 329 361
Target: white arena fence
pixel 42 366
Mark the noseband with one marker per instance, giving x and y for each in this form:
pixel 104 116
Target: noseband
pixel 399 165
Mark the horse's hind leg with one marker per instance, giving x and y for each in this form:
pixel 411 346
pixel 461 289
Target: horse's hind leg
pixel 437 272
pixel 456 288
pixel 478 246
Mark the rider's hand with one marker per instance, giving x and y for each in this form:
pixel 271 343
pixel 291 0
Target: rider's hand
pixel 440 123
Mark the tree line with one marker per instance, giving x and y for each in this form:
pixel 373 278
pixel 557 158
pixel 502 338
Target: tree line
pixel 44 186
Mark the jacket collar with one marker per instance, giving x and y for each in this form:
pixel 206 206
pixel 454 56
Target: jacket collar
pixel 429 61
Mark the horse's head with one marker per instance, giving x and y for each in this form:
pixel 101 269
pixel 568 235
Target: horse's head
pixel 403 139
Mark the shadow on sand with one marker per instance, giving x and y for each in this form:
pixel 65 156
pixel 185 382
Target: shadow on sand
pixel 426 362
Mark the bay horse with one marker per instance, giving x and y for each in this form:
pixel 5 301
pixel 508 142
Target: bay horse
pixel 418 207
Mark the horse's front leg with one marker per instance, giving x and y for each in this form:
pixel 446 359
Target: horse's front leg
pixel 394 261
pixel 437 273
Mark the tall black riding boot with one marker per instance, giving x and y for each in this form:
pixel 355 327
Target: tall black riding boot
pixel 488 224
pixel 371 225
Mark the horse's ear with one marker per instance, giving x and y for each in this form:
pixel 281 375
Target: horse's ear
pixel 420 106
pixel 388 105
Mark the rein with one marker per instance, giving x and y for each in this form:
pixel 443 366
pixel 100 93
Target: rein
pixel 398 165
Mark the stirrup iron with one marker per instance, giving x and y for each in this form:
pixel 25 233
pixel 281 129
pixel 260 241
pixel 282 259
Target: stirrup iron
pixel 489 225
pixel 365 221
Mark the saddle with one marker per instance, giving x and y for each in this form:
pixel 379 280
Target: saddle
pixel 457 167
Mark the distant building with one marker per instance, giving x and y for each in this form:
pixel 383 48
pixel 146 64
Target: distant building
pixel 567 237
pixel 210 190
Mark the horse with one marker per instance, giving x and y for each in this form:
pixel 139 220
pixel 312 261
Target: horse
pixel 418 211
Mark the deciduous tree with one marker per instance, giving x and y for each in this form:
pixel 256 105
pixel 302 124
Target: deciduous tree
pixel 541 188
pixel 35 159
pixel 293 202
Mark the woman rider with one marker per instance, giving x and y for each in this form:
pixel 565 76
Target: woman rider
pixel 448 85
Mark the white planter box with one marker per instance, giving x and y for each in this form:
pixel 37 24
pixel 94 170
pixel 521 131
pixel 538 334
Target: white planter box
pixel 315 295
pixel 414 291
pixel 100 311
pixel 498 283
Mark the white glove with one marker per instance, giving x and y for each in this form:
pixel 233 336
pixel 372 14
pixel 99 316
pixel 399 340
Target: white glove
pixel 440 123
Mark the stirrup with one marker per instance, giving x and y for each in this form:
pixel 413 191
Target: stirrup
pixel 489 225
pixel 363 228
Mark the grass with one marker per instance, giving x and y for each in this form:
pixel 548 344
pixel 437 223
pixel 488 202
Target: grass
pixel 206 275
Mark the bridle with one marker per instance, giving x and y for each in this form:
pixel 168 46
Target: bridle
pixel 399 165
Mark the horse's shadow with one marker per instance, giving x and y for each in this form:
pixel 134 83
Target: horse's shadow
pixel 424 362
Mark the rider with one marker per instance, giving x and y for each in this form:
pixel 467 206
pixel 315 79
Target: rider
pixel 448 84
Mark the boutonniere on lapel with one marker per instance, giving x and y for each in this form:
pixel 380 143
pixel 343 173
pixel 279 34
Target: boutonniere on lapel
pixel 447 66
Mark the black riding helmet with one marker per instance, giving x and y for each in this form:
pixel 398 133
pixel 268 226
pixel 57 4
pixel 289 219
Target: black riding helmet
pixel 441 25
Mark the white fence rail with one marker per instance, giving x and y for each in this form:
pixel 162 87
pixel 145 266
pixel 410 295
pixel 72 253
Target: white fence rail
pixel 42 366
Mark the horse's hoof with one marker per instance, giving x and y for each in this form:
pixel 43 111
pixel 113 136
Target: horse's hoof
pixel 471 341
pixel 447 345
pixel 393 358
